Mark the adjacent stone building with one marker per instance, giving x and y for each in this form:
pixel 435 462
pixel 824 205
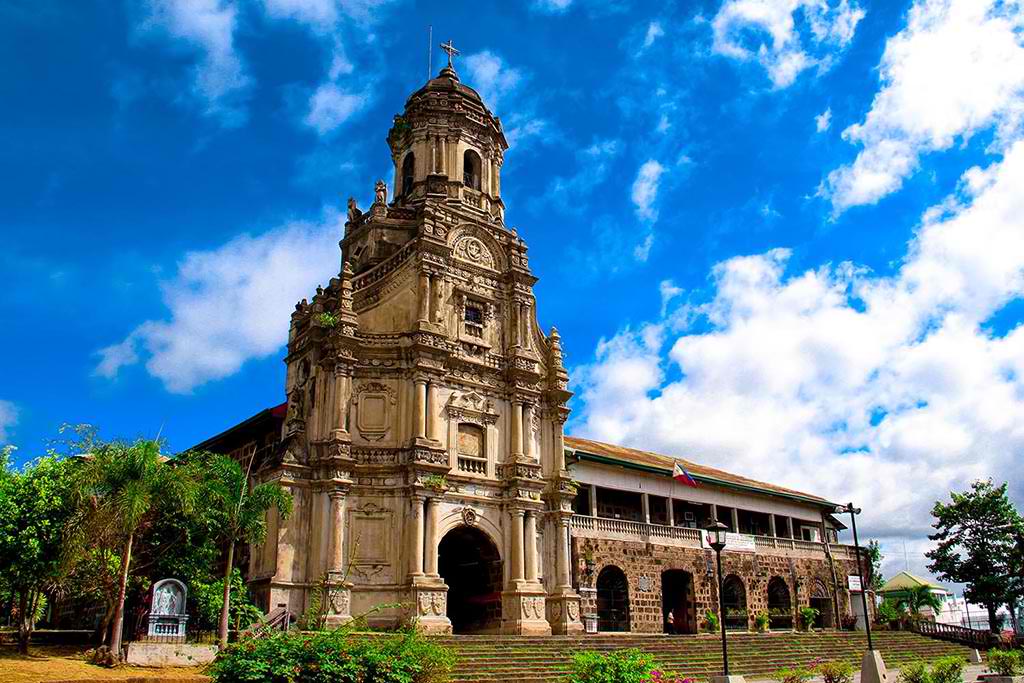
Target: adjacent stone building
pixel 422 438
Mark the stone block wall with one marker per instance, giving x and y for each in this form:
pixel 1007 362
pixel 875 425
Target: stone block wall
pixel 643 564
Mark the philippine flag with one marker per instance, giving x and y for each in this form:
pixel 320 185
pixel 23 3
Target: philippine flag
pixel 682 476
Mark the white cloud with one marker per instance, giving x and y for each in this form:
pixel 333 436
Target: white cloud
pixel 956 69
pixel 207 26
pixel 492 77
pixel 654 31
pixel 642 251
pixel 645 190
pixel 768 31
pixel 330 106
pixel 552 6
pixel 835 380
pixel 8 418
pixel 593 165
pixel 823 121
pixel 230 305
pixel 669 291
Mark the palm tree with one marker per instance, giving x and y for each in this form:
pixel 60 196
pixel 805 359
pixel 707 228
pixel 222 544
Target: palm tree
pixel 241 512
pixel 920 597
pixel 120 485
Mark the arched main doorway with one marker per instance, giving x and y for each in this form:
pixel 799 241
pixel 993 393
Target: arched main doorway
pixel 469 563
pixel 734 597
pixel 780 607
pixel 678 605
pixel 821 601
pixel 612 600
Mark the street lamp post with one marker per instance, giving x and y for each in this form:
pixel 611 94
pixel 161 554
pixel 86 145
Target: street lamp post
pixel 716 539
pixel 872 668
pixel 860 570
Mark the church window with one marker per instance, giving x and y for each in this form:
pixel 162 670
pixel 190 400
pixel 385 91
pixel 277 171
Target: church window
pixel 469 445
pixel 471 169
pixel 474 318
pixel 408 173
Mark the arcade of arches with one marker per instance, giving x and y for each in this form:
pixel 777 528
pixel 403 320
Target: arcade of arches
pixel 648 588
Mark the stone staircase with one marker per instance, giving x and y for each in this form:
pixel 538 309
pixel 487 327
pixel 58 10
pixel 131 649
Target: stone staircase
pixel 532 660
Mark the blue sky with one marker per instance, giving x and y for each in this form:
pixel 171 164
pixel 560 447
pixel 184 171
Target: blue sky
pixel 781 237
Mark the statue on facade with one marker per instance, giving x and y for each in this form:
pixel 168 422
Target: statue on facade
pixel 380 193
pixel 354 214
pixel 167 616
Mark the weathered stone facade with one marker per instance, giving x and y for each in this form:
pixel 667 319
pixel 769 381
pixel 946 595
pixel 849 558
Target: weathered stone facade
pixel 644 563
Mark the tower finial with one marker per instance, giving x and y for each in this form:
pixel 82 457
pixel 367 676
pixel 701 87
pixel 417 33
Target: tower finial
pixel 451 50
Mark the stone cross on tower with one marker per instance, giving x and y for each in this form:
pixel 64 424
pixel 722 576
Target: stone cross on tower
pixel 450 49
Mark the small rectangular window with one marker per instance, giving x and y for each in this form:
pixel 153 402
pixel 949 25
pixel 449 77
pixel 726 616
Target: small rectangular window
pixel 474 315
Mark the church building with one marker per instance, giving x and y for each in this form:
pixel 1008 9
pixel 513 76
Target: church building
pixel 423 440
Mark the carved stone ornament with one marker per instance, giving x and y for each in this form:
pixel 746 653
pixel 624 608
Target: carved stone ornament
pixel 472 407
pixel 471 249
pixel 572 608
pixel 432 604
pixel 374 406
pixel 469 516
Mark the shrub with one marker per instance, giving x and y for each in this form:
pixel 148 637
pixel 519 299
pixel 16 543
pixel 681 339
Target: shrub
pixel 658 676
pixel 761 622
pixel 332 657
pixel 793 675
pixel 915 672
pixel 889 611
pixel 948 669
pixel 1006 662
pixel 807 617
pixel 836 672
pixel 618 666
pixel 327 319
pixel 710 621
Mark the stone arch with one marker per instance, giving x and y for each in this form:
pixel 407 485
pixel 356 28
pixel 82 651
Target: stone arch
pixel 408 173
pixel 474 245
pixel 780 604
pixel 469 516
pixel 471 169
pixel 612 599
pixel 734 598
pixel 678 602
pixel 470 564
pixel 821 600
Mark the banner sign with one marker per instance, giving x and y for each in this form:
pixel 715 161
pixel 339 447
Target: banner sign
pixel 853 582
pixel 739 543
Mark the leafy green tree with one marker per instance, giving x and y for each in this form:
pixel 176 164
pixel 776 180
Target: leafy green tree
pixel 976 534
pixel 34 510
pixel 875 557
pixel 919 597
pixel 241 513
pixel 121 486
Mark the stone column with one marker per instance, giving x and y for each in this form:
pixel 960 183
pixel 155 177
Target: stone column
pixel 424 294
pixel 714 512
pixel 527 333
pixel 789 527
pixel 420 408
pixel 562 554
pixel 518 565
pixel 336 553
pixel 671 512
pixel 342 393
pixel 559 438
pixel 530 556
pixel 431 543
pixel 771 525
pixel 645 506
pixel 416 520
pixel 736 520
pixel 431 406
pixel 593 500
pixel 528 430
pixel 517 429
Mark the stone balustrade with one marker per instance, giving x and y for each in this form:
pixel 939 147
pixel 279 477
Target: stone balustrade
pixel 685 537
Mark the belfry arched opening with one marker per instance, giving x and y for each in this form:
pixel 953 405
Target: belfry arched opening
pixel 470 565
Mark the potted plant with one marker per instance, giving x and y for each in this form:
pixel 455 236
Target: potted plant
pixel 761 622
pixel 807 617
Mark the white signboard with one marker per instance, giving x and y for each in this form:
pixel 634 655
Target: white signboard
pixel 853 582
pixel 737 543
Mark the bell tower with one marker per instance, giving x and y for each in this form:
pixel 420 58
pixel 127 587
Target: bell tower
pixel 425 405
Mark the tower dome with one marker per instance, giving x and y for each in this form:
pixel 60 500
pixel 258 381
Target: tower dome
pixel 448 143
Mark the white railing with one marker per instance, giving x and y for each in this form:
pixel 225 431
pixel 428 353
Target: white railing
pixel 598 527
